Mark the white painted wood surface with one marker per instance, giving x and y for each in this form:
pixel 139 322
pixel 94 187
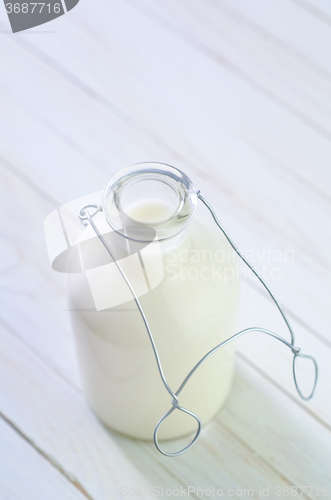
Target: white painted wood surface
pixel 236 93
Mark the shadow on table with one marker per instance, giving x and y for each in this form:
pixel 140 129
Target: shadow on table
pixel 260 440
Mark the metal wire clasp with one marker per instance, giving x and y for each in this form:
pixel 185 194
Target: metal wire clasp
pixel 87 218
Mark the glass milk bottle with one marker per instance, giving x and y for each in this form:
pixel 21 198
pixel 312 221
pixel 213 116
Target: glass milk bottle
pixel 186 277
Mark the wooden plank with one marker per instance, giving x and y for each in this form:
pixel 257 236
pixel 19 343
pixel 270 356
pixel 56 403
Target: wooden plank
pixel 263 66
pixel 275 359
pixel 55 417
pixel 29 287
pixel 275 20
pixel 318 8
pixel 212 101
pixel 250 197
pixel 271 413
pixel 26 475
pixel 228 102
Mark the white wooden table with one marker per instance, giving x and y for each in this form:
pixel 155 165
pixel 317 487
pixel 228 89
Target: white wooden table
pixel 237 93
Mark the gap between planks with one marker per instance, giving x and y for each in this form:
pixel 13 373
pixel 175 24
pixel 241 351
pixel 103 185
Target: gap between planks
pixel 256 28
pixel 258 455
pixel 48 458
pixel 321 15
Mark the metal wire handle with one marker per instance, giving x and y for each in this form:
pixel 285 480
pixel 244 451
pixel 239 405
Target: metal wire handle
pixel 87 218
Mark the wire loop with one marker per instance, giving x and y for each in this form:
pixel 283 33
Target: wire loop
pixel 305 356
pixel 160 422
pixel 86 216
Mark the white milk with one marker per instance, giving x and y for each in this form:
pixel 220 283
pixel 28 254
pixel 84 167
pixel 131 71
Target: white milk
pixel 189 312
pixel 149 210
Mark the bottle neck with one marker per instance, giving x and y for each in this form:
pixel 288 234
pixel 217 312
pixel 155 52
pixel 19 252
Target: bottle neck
pixel 150 201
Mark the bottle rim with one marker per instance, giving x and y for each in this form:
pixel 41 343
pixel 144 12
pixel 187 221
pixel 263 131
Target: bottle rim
pixel 182 190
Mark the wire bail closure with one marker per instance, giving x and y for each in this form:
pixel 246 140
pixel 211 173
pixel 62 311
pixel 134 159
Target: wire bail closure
pixel 87 218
